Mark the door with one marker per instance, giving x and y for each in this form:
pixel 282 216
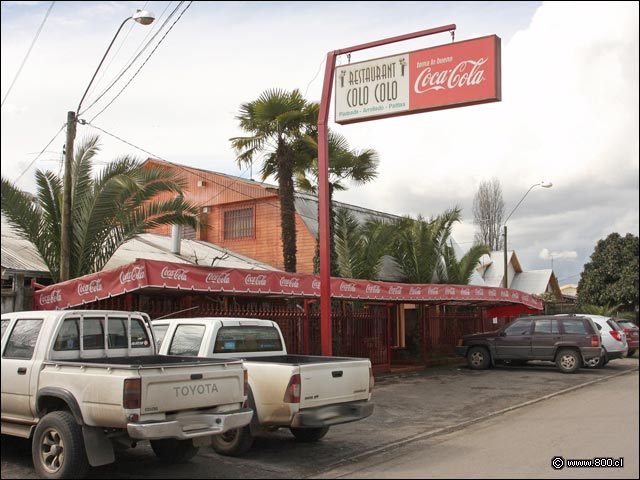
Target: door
pixel 18 368
pixel 514 341
pixel 546 334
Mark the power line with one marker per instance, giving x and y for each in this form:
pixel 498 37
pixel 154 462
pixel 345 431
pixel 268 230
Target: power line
pixel 27 55
pixel 132 61
pixel 41 152
pixel 143 64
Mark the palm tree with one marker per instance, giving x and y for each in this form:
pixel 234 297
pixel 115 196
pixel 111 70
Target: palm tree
pixel 460 272
pixel 420 246
pixel 357 166
pixel 360 249
pixel 106 211
pixel 275 121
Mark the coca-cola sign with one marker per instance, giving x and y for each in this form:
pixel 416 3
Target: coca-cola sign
pixel 54 297
pixel 221 278
pixel 179 274
pixel 94 286
pixel 446 76
pixel 256 280
pixel 290 282
pixel 136 273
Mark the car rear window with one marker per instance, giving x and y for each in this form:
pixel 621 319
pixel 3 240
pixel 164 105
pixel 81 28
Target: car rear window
pixel 574 325
pixel 614 325
pixel 247 339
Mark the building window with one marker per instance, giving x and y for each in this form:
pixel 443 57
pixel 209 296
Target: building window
pixel 238 223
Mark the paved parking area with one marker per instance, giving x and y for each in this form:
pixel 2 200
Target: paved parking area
pixel 409 406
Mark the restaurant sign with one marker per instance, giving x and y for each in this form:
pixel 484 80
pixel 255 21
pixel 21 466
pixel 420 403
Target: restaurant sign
pixel 447 76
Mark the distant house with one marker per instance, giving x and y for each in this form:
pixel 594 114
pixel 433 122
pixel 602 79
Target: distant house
pixel 536 282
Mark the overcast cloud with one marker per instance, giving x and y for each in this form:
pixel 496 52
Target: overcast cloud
pixel 569 109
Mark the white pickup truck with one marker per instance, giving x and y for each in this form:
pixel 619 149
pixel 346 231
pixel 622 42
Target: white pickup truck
pixel 80 382
pixel 306 394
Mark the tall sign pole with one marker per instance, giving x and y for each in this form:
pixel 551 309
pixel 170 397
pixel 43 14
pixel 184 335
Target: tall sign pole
pixel 323 177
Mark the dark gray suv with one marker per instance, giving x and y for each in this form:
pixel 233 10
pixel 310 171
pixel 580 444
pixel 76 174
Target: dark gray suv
pixel 569 341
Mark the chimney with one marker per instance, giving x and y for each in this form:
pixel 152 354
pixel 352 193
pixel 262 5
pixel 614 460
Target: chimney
pixel 176 239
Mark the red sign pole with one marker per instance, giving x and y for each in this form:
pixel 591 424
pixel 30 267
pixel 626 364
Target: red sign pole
pixel 323 178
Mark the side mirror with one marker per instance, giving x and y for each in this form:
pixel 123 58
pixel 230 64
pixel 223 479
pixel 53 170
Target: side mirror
pixel 503 333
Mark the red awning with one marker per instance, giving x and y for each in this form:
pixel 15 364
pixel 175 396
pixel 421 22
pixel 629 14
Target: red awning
pixel 153 275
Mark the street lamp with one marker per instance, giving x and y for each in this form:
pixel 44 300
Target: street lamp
pixel 541 184
pixel 143 17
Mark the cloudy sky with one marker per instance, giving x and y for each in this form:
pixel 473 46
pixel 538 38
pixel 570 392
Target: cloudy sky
pixel 568 115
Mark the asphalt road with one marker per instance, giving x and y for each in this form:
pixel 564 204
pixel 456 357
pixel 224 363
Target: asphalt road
pixel 599 421
pixel 409 408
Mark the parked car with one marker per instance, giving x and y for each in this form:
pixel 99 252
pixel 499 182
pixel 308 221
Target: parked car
pixel 614 340
pixel 569 341
pixel 632 332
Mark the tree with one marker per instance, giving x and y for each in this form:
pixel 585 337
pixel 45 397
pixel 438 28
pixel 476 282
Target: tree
pixel 360 249
pixel 460 272
pixel 611 277
pixel 275 121
pixel 419 247
pixel 107 210
pixel 358 166
pixel 488 214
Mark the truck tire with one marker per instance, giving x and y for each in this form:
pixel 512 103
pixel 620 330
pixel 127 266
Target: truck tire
pixel 172 451
pixel 233 442
pixel 568 361
pixel 478 358
pixel 309 435
pixel 57 448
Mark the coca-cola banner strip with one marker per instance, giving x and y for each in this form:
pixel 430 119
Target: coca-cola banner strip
pixel 93 287
pixel 179 276
pixel 446 76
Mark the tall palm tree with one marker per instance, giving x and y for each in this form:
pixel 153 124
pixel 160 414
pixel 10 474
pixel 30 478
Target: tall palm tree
pixel 357 166
pixel 420 246
pixel 275 121
pixel 107 210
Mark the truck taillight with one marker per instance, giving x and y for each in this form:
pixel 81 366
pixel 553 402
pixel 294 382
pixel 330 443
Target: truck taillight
pixel 246 383
pixel 132 393
pixel 292 393
pixel 595 341
pixel 371 380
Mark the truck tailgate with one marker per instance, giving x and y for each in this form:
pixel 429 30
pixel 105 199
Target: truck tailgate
pixel 190 387
pixel 328 382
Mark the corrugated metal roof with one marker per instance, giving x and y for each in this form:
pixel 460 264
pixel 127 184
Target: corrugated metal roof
pixel 195 252
pixel 19 254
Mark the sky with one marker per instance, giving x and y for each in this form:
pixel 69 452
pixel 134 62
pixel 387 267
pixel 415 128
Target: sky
pixel 568 114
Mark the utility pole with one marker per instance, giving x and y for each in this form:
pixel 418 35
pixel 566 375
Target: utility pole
pixel 65 234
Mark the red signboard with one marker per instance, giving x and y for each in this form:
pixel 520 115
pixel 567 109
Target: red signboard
pixel 446 76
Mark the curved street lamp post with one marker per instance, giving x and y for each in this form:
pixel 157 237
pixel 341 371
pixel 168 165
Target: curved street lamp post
pixel 143 17
pixel 506 271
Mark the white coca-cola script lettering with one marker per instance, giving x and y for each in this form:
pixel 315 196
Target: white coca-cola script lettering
pixel 289 282
pixel 136 273
pixel 257 280
pixel 315 284
pixel 92 287
pixel 467 73
pixel 222 277
pixel 347 287
pixel 177 274
pixel 53 297
pixel 373 289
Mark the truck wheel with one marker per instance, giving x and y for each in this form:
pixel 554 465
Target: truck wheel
pixel 478 358
pixel 309 434
pixel 233 442
pixel 568 361
pixel 174 451
pixel 57 447
pixel 595 362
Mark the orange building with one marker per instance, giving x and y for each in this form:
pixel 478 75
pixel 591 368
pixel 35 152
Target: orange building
pixel 241 215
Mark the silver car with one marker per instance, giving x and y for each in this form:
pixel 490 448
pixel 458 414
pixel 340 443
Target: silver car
pixel 614 340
